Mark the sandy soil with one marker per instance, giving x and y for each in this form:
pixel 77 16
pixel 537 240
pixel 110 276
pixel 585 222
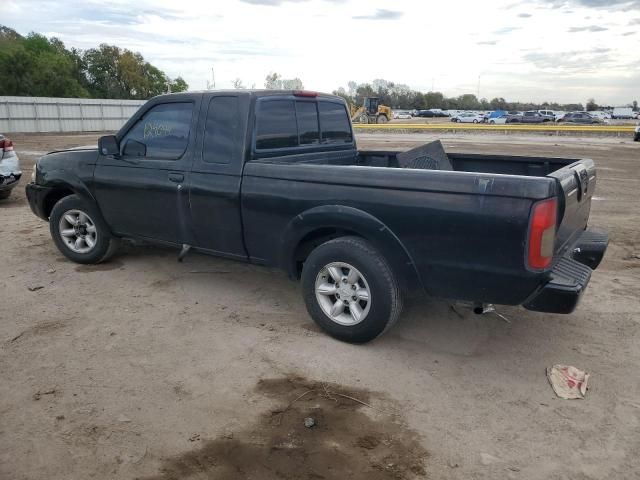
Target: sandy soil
pixel 149 368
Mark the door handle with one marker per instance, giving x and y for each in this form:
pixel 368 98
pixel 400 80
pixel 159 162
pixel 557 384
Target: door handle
pixel 176 177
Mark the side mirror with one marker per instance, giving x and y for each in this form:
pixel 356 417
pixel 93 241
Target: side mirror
pixel 133 148
pixel 108 145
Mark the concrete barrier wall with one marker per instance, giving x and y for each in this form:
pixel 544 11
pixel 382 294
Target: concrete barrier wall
pixel 47 114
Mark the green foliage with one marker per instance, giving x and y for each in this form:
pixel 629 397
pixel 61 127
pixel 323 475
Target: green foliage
pixel 400 96
pixel 274 81
pixel 592 105
pixel 43 67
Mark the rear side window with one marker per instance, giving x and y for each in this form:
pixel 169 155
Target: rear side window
pixel 163 130
pixel 221 130
pixel 277 125
pixel 334 123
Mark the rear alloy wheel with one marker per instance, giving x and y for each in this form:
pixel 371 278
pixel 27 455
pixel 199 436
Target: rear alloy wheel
pixel 350 291
pixel 475 121
pixel 79 232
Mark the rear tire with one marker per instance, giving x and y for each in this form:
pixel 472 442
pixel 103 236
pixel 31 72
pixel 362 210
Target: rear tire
pixel 350 290
pixel 79 232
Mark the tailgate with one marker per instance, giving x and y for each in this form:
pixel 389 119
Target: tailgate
pixel 577 183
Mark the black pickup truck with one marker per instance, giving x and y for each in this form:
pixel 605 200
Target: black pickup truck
pixel 275 178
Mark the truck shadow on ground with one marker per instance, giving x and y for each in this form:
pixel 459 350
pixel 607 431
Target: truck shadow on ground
pixel 343 443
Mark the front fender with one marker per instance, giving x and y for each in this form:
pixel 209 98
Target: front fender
pixel 64 179
pixel 358 222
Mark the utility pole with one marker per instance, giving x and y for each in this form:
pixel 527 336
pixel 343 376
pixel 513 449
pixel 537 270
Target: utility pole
pixel 212 85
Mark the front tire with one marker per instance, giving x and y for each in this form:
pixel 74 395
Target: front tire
pixel 382 119
pixel 350 290
pixel 79 232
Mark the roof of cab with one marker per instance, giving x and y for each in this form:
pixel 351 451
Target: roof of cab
pixel 255 93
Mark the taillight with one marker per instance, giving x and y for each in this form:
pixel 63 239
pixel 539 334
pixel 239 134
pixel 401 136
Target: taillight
pixel 6 145
pixel 542 233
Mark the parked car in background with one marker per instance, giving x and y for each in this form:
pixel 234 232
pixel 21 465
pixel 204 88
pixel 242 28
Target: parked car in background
pixel 622 113
pixel 423 113
pixel 602 115
pixel 548 113
pixel 529 117
pixel 10 172
pixel 468 117
pixel 437 112
pixel 502 119
pixel 558 114
pixel 580 117
pixel 401 115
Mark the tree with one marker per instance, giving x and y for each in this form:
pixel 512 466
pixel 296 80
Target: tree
pixel 237 84
pixel 179 85
pixel 39 66
pixel 274 81
pixel 36 66
pixel 592 105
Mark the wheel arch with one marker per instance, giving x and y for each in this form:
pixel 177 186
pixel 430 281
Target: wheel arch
pixel 321 224
pixel 63 183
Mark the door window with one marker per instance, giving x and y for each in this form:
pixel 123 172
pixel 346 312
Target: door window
pixel 162 133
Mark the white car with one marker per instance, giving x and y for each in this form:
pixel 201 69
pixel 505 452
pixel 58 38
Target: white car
pixel 468 118
pixel 502 119
pixel 10 172
pixel 401 115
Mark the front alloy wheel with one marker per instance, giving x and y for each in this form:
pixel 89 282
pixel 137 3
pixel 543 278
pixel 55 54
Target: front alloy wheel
pixel 78 231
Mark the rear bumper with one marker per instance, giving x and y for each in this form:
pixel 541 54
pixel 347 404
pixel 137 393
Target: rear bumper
pixel 570 276
pixel 8 182
pixel 36 195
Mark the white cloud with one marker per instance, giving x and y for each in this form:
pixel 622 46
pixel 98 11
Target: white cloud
pixel 528 50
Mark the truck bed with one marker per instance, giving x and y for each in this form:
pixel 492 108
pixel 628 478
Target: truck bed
pixel 470 223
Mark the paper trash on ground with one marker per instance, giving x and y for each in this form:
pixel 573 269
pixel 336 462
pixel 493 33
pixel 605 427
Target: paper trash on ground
pixel 568 382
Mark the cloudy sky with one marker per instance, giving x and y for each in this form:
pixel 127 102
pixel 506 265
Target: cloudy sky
pixel 558 50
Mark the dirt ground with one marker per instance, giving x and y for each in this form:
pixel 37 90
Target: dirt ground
pixel 153 369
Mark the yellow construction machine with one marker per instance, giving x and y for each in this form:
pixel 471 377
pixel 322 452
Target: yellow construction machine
pixel 370 112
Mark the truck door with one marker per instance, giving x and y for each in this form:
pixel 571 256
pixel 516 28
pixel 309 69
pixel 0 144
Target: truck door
pixel 143 191
pixel 216 176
